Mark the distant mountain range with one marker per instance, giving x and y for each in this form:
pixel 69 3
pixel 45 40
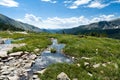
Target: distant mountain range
pixel 110 28
pixel 7 23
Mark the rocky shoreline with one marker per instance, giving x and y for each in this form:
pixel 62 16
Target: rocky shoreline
pixel 15 65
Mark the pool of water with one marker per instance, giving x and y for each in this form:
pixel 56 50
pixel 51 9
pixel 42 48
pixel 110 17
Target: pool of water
pixel 47 58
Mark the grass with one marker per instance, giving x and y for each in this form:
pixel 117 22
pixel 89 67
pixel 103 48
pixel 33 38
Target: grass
pixel 32 40
pixel 102 51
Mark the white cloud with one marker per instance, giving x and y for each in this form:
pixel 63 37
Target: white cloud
pixel 57 22
pixel 67 1
pixel 51 1
pixel 9 3
pixel 97 4
pixel 89 3
pixel 78 3
pixel 103 18
pixel 31 19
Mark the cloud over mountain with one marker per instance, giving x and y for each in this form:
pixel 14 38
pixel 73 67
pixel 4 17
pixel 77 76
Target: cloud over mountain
pixel 57 22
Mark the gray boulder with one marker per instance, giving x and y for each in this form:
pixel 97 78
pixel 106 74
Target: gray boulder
pixel 62 76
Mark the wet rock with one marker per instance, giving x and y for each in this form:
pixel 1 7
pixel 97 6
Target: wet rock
pixel 62 76
pixel 16 54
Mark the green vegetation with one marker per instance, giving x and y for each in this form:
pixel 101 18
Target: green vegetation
pixel 4 27
pixel 95 58
pixel 32 40
pixel 53 50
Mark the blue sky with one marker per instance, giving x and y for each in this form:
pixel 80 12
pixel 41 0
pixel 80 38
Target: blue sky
pixel 54 14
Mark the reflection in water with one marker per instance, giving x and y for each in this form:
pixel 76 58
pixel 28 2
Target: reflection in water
pixel 47 58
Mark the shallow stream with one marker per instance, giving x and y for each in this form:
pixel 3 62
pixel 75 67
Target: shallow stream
pixel 47 58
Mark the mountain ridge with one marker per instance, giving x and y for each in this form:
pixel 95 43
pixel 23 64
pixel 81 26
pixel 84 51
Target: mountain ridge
pixel 110 28
pixel 13 24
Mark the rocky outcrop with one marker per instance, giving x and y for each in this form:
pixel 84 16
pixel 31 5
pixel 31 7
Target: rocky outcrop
pixel 4 48
pixel 12 67
pixel 62 76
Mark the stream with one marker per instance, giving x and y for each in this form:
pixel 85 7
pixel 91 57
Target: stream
pixel 47 58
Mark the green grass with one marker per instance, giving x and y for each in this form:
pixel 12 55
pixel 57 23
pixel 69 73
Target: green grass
pixel 32 40
pixel 100 50
pixel 103 51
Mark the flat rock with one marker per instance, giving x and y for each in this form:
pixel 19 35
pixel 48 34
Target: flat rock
pixel 28 65
pixel 3 54
pixel 33 56
pixel 16 54
pixel 6 72
pixel 35 76
pixel 10 58
pixel 62 76
pixel 41 72
pixel 13 78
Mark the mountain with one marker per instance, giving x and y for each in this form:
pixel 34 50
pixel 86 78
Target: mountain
pixel 110 28
pixel 7 23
